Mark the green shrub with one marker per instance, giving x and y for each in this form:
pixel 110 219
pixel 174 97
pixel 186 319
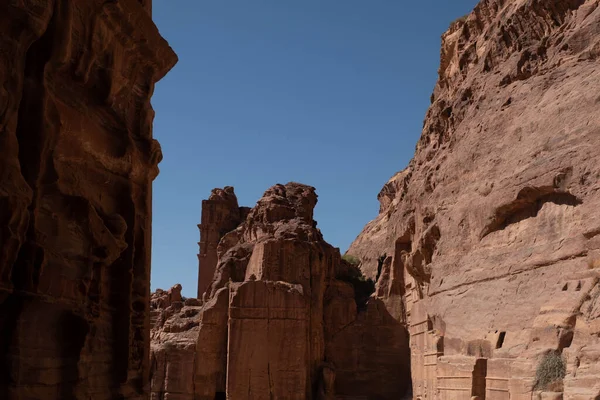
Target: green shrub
pixel 350 259
pixel 550 371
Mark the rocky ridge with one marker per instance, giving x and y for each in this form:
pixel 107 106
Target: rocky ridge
pixel 487 244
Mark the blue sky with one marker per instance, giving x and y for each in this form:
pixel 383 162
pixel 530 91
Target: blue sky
pixel 331 93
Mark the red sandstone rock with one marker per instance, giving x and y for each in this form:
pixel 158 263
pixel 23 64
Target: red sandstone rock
pixel 77 160
pixel 220 214
pixel 284 317
pixel 493 226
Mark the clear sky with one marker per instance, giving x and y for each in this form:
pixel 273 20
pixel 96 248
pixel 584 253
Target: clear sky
pixel 330 93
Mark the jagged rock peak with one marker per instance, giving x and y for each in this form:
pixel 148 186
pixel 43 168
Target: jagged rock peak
pixel 283 317
pixel 227 194
pixel 286 202
pixel 164 298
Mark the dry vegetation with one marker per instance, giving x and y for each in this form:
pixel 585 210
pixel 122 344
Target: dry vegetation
pixel 550 372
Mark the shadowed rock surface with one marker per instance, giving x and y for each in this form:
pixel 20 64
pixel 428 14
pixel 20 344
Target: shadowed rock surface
pixel 77 160
pixel 220 214
pixel 486 250
pixel 284 317
pixel 488 242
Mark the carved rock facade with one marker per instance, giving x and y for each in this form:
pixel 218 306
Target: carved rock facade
pixel 284 317
pixel 77 160
pixel 487 244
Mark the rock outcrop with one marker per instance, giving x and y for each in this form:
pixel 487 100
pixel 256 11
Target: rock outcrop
pixel 284 317
pixel 486 246
pixel 77 160
pixel 220 215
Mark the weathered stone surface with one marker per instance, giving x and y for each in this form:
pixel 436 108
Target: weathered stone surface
pixel 173 345
pixel 284 318
pixel 189 346
pixel 220 214
pixel 267 353
pixel 369 349
pixel 77 160
pixel 493 227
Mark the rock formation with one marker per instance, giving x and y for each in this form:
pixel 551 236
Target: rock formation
pixel 487 245
pixel 283 318
pixel 220 214
pixel 77 160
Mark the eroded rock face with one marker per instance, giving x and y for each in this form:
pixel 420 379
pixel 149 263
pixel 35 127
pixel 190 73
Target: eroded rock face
pixel 220 215
pixel 284 318
pixel 487 243
pixel 77 160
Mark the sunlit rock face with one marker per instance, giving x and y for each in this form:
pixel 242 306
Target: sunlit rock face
pixel 77 160
pixel 283 318
pixel 487 245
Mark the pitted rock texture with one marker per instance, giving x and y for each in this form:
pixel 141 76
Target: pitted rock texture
pixel 284 317
pixel 77 160
pixel 487 245
pixel 220 214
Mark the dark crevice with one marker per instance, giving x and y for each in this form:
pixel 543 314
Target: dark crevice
pixel 119 294
pixel 500 341
pixel 31 135
pixel 363 286
pixel 72 330
pixel 566 340
pixel 406 374
pixel 479 378
pixel 10 310
pixel 380 262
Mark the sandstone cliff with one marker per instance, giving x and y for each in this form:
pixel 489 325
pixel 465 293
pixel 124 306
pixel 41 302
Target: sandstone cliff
pixel 487 245
pixel 283 318
pixel 77 160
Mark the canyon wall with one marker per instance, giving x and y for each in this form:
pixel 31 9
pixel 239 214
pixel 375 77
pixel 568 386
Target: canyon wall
pixel 487 245
pixel 284 317
pixel 77 160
